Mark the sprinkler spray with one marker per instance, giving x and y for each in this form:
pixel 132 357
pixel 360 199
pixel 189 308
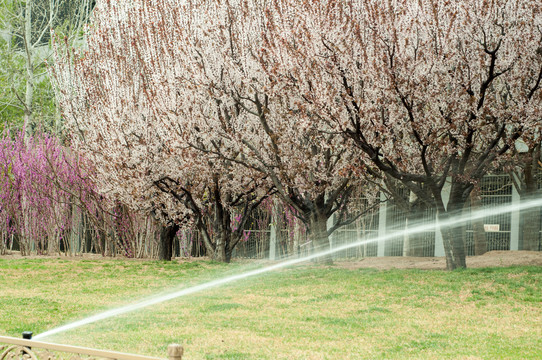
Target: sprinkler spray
pixel 215 283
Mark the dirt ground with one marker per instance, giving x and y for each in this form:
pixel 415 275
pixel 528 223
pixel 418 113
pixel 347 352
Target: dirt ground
pixel 489 259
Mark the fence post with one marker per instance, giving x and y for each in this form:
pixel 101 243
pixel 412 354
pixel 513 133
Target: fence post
pixel 175 352
pixel 514 220
pixel 329 224
pixel 382 217
pixel 273 239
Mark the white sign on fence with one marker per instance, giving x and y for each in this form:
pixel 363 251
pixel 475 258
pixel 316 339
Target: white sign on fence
pixel 491 227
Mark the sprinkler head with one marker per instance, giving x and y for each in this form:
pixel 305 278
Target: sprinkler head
pixel 27 335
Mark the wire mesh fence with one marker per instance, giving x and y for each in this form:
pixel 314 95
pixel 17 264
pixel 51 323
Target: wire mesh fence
pixel 496 190
pixel 256 245
pixel 364 228
pixel 276 232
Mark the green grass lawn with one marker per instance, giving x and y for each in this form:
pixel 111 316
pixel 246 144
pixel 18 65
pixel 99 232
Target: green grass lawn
pixel 304 312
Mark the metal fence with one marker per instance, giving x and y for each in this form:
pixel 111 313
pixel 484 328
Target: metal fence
pixel 14 348
pixel 365 227
pixel 496 190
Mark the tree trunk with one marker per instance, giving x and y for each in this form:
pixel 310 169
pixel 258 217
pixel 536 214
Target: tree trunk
pixel 217 247
pixel 452 230
pixel 531 220
pixel 228 253
pixel 531 229
pixel 29 71
pixel 320 240
pixel 531 217
pixel 221 245
pixel 167 234
pixel 478 231
pixel 198 247
pixel 454 247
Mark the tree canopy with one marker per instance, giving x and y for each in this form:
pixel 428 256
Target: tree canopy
pixel 308 99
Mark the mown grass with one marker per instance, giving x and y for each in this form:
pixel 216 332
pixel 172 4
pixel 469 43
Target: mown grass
pixel 305 312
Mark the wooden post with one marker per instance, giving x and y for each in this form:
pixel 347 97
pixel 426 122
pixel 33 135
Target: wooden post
pixel 175 352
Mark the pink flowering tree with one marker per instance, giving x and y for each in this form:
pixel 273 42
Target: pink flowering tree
pixel 49 204
pixel 430 91
pixel 128 114
pixel 43 186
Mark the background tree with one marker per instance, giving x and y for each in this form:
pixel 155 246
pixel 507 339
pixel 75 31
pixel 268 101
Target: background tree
pixel 28 99
pixel 431 91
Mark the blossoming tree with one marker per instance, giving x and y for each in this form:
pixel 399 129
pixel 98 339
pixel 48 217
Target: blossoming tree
pixel 123 112
pixel 430 90
pixel 172 93
pixel 245 119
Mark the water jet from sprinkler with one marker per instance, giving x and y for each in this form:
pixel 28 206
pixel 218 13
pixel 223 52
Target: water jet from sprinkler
pixel 422 227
